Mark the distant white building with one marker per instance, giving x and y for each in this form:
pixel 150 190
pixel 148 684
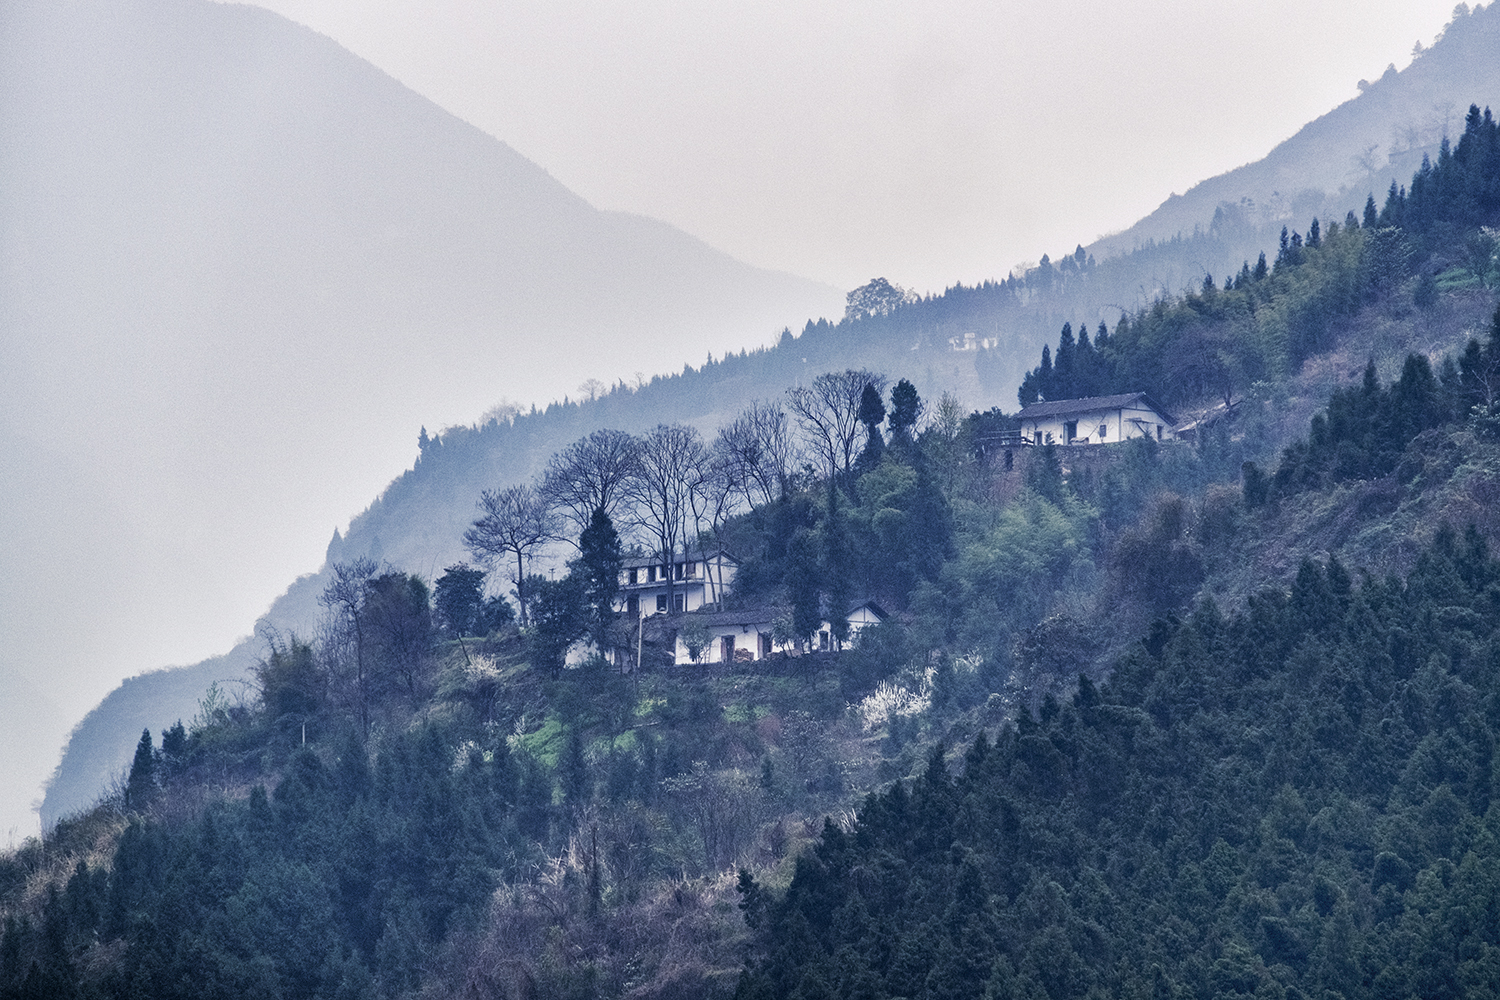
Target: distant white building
pixel 649 586
pixel 972 342
pixel 745 636
pixel 1096 420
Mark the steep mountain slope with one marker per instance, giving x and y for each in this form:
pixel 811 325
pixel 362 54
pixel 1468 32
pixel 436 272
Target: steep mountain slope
pixel 1357 148
pixel 418 520
pixel 239 267
pixel 1291 789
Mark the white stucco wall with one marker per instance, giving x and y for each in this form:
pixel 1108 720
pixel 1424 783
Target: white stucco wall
pixel 1118 424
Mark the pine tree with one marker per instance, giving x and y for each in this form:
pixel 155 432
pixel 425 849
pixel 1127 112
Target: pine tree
pixel 1261 269
pixel 1065 365
pixel 140 786
pixel 598 568
pixel 838 566
pixel 906 410
pixel 871 414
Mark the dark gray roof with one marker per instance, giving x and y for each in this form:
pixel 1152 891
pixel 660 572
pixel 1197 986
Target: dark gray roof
pixel 1092 404
pixel 745 616
pixel 696 555
pixel 763 615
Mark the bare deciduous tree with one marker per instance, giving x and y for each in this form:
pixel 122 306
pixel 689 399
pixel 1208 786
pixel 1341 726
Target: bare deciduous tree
pixel 714 498
pixel 828 411
pixel 589 475
pixel 660 490
pixel 344 630
pixel 513 522
pixel 761 452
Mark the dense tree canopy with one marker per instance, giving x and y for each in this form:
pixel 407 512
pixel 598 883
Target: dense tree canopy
pixel 1296 799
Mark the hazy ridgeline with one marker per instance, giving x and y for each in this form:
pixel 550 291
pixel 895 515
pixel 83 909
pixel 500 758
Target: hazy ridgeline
pixel 417 521
pixel 1217 733
pixel 497 267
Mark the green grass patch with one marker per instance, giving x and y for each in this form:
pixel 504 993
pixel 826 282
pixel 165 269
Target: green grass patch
pixel 545 744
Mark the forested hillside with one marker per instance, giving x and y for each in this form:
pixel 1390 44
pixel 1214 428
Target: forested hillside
pixel 1299 799
pixel 1212 717
pixel 419 518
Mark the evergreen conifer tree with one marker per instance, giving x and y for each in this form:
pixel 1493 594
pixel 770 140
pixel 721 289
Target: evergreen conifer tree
pixel 140 786
pixel 1261 269
pixel 906 410
pixel 1044 375
pixel 838 565
pixel 871 414
pixel 801 581
pixel 598 568
pixel 1064 365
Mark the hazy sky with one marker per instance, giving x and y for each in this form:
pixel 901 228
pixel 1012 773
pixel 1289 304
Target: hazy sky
pixel 924 142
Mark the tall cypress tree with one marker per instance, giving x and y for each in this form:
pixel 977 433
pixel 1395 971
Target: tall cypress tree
pixel 598 569
pixel 801 581
pixel 906 408
pixel 871 413
pixel 1065 366
pixel 140 786
pixel 838 565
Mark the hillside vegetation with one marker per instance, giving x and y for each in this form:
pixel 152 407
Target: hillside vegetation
pixel 1285 793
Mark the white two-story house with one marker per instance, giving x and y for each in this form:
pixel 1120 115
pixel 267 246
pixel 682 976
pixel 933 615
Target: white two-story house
pixel 689 582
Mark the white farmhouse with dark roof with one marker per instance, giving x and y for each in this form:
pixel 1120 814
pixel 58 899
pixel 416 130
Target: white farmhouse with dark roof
pixel 746 635
pixel 1096 420
pixel 688 582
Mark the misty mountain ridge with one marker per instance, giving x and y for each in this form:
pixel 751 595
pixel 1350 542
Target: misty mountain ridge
pixel 1213 716
pixel 1358 148
pixel 418 519
pixel 239 266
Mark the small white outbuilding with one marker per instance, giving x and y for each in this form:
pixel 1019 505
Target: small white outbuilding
pixel 1096 420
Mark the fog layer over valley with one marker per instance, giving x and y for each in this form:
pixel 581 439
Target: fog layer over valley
pixel 239 269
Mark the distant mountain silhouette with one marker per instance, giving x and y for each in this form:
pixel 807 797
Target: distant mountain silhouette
pixel 239 268
pixel 1354 150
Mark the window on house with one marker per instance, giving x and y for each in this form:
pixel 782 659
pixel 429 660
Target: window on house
pixel 1070 431
pixel 681 571
pixel 1158 432
pixel 633 606
pixel 1103 431
pixel 692 570
pixel 633 574
pixel 726 651
pixel 661 603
